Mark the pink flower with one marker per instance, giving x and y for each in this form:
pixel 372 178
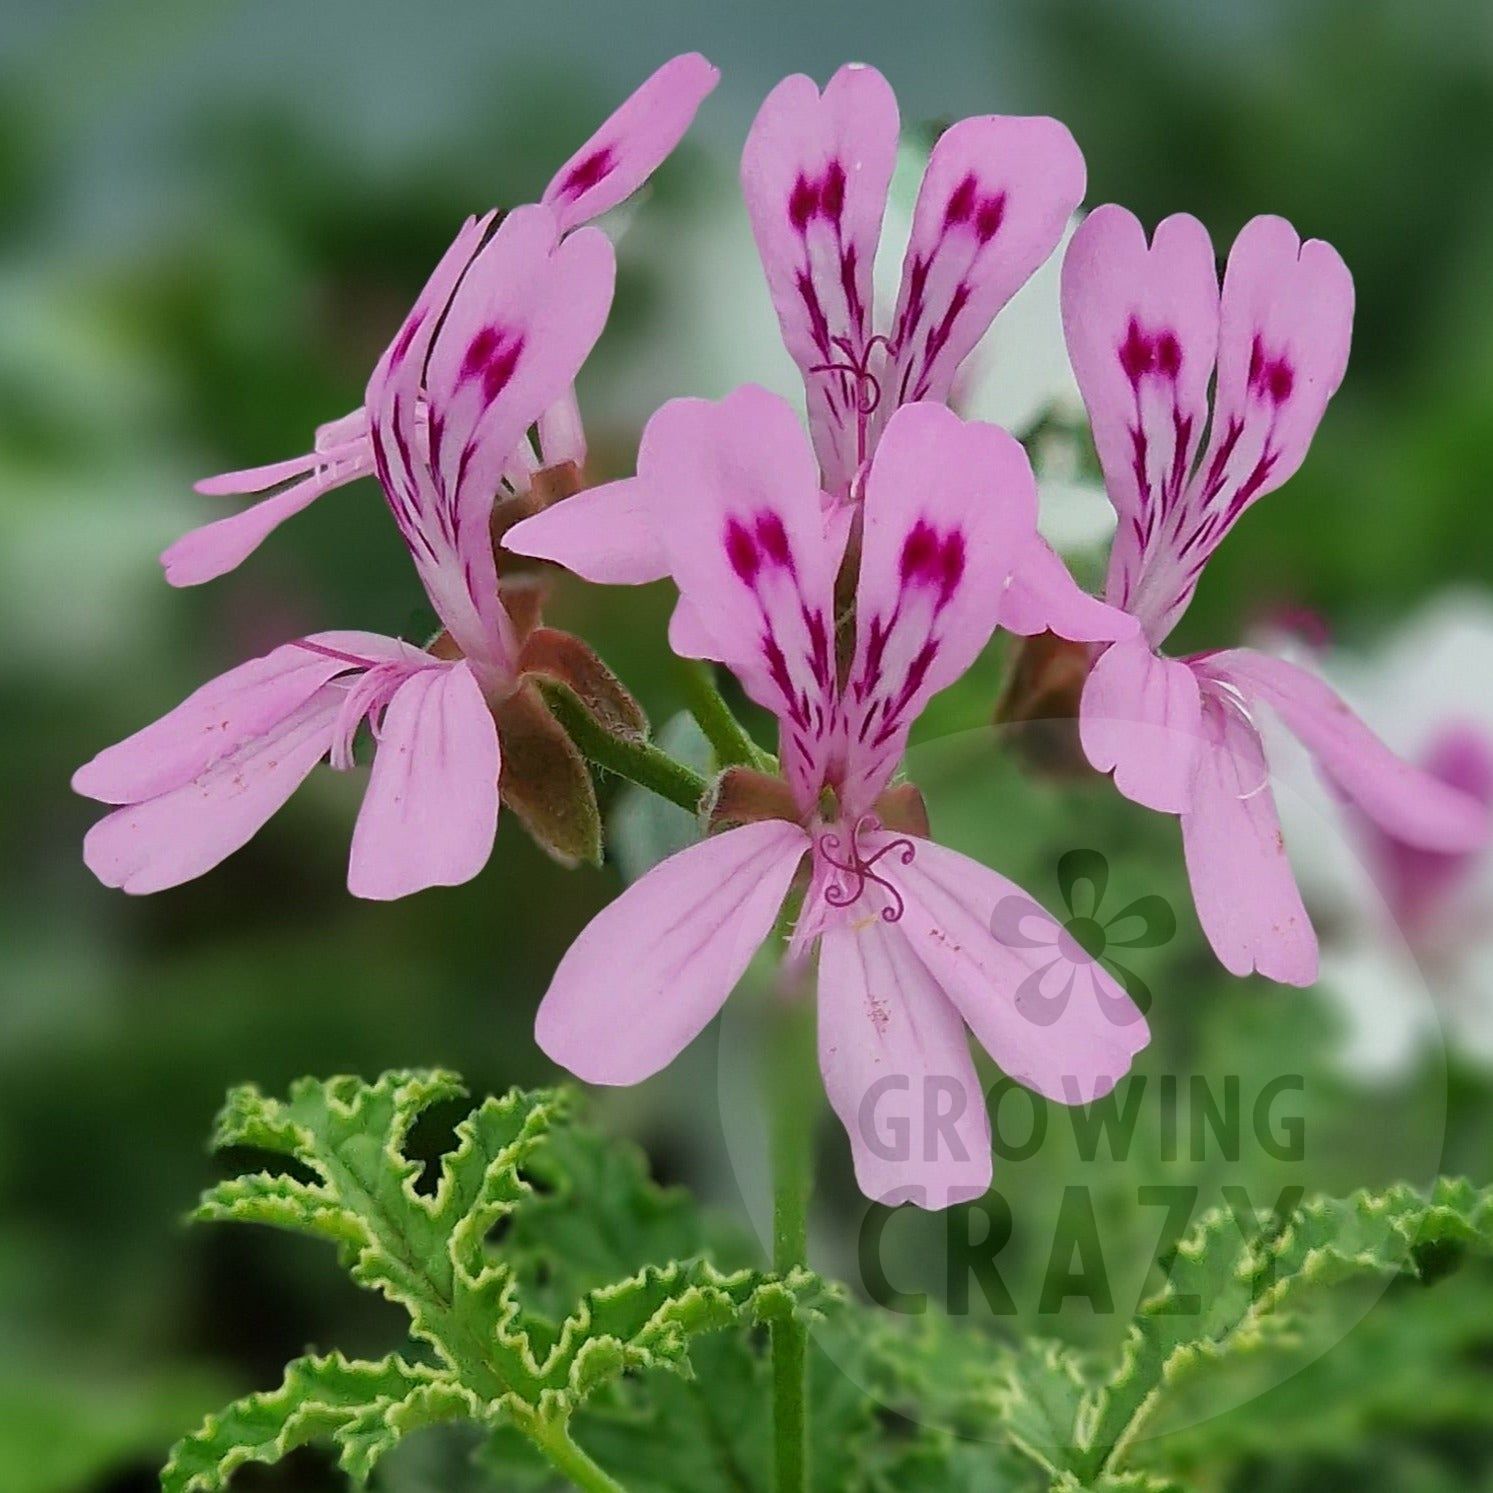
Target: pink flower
pixel 495 338
pixel 816 170
pixel 1147 328
pixel 907 958
pixel 609 167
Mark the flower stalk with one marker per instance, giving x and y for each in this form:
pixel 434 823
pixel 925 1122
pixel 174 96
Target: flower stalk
pixel 636 760
pixel 790 1083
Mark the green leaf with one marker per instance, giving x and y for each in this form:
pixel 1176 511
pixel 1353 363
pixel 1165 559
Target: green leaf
pixel 1227 1295
pixel 364 1408
pixel 498 1358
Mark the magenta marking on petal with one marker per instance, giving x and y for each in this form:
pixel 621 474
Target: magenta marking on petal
pixel 1135 352
pixel 586 173
pixel 741 550
pixel 991 215
pixel 773 538
pixel 803 203
pixel 1168 355
pixel 961 201
pixel 832 192
pixel 862 868
pixel 406 337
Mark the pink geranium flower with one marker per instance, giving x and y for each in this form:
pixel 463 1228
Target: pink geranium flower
pixel 609 167
pixel 815 173
pixel 1147 327
pixel 495 338
pixel 907 958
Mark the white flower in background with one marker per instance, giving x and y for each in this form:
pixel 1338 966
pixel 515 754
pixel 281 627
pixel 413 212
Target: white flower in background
pixel 1398 921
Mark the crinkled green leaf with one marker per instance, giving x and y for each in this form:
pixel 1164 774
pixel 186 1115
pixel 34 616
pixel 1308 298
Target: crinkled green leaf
pixel 363 1408
pixel 1228 1295
pixel 498 1357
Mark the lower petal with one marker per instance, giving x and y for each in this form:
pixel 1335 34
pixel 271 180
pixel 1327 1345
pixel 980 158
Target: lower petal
pixel 897 1070
pixel 431 809
pixel 205 553
pixel 186 831
pixel 1140 718
pixel 1405 801
pixel 651 969
pixel 603 535
pixel 1043 597
pixel 1070 1041
pixel 1246 895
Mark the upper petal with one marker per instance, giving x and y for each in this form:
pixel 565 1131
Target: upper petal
pixel 1070 1048
pixel 1141 323
pixel 898 1072
pixel 1407 802
pixel 994 202
pixel 651 969
pixel 224 715
pixel 947 501
pixel 603 535
pixel 515 332
pixel 733 494
pixel 431 809
pixel 633 143
pixel 1242 885
pixel 1139 717
pixel 815 174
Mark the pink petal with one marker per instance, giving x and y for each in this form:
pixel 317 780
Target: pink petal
pixel 603 535
pixel 205 553
pixel 994 202
pixel 562 436
pixel 226 715
pixel 946 503
pixel 1405 801
pixel 898 1073
pixel 632 144
pixel 1043 597
pixel 688 635
pixel 652 968
pixel 188 829
pixel 342 455
pixel 734 494
pixel 1141 324
pixel 1139 718
pixel 815 174
pixel 431 809
pixel 1286 321
pixel 1246 896
pixel 518 327
pixel 1072 1049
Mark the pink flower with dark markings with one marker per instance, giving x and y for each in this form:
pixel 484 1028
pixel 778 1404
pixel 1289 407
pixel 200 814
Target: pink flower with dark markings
pixel 902 926
pixel 608 168
pixel 995 199
pixel 1147 331
pixel 495 338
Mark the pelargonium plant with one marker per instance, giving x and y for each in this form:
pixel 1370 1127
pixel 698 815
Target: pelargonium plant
pixel 844 570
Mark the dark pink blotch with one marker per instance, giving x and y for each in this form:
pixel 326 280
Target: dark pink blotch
pixel 587 172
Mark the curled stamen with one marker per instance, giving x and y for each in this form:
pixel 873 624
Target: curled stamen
pixel 862 868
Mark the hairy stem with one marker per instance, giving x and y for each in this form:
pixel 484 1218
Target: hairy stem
pixel 733 746
pixel 790 1080
pixel 639 762
pixel 554 1440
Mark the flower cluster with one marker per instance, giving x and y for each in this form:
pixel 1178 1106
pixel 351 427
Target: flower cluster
pixel 844 571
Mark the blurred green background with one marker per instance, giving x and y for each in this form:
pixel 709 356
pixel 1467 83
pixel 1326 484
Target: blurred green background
pixel 211 218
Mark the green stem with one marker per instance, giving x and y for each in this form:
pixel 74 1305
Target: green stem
pixel 553 1439
pixel 639 762
pixel 733 746
pixel 790 1079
